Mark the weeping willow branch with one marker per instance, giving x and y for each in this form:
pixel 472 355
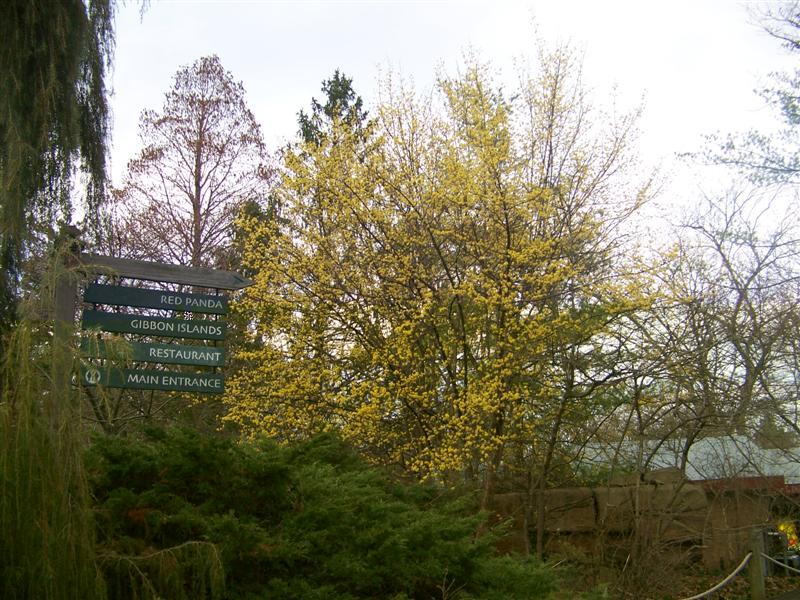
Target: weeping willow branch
pixel 192 570
pixel 46 522
pixel 53 119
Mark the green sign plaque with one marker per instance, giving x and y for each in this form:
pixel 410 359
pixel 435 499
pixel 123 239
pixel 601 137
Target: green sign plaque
pixel 119 295
pixel 154 326
pixel 139 379
pixel 173 354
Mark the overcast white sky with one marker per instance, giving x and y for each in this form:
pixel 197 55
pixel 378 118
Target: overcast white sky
pixel 696 62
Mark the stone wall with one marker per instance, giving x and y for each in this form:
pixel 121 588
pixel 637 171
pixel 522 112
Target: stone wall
pixel 731 517
pixel 660 506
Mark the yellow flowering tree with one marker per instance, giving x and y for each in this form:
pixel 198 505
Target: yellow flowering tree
pixel 439 278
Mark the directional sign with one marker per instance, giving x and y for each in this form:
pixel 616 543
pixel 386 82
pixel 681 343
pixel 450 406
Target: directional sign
pixel 154 326
pixel 173 354
pixel 119 295
pixel 174 381
pixel 151 271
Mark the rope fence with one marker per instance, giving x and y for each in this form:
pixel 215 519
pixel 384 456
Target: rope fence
pixel 736 572
pixel 725 581
pixel 781 565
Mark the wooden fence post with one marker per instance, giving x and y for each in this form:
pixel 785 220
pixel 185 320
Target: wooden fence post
pixel 64 305
pixel 757 574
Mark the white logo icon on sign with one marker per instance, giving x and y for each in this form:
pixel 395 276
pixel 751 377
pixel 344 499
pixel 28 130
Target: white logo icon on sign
pixel 92 376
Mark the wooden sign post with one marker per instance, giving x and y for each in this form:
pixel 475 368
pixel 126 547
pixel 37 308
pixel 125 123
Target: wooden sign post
pixel 110 375
pixel 152 271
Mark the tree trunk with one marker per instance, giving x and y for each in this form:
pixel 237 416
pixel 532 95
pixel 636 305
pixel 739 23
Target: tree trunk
pixel 542 483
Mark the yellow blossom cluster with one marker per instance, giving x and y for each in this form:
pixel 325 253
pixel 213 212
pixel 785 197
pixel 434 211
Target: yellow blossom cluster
pixel 431 274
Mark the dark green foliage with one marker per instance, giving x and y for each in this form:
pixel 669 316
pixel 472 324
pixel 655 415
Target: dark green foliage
pixel 312 521
pixel 341 104
pixel 175 487
pixel 503 577
pixel 53 113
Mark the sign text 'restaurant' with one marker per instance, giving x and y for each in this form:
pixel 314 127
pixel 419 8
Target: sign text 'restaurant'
pixel 174 354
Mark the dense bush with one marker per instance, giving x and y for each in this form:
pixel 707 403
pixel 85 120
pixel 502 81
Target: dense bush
pixel 311 521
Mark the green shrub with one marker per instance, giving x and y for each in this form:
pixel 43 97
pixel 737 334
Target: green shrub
pixel 309 521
